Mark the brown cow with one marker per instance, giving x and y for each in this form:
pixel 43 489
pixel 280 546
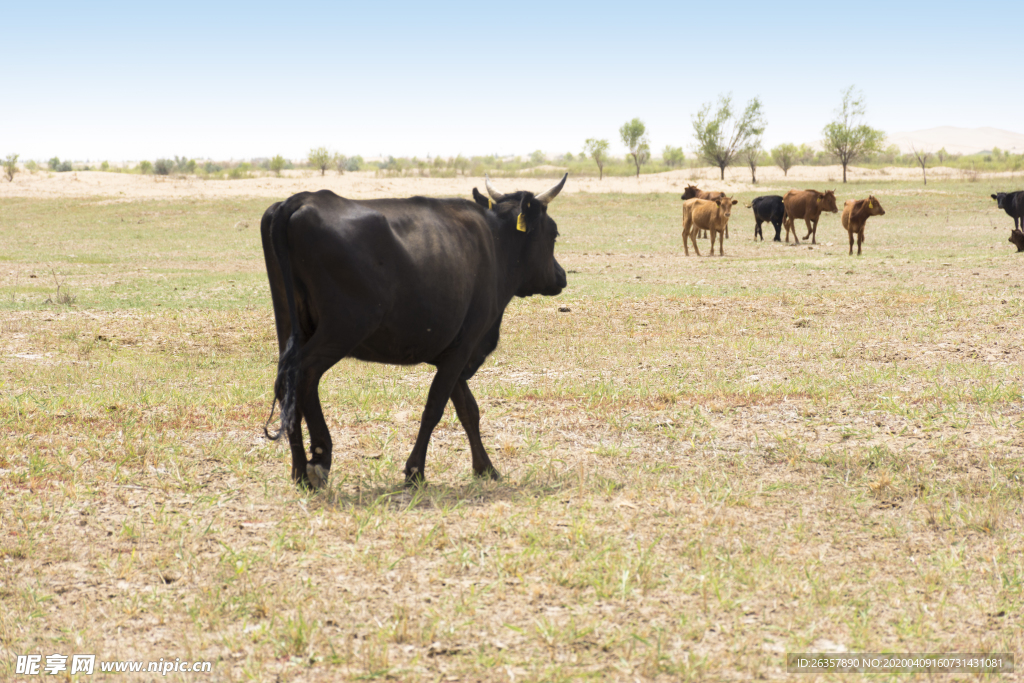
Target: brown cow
pixel 693 192
pixel 807 204
pixel 855 217
pixel 706 214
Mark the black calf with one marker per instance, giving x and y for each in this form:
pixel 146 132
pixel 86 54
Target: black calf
pixel 1013 204
pixel 768 209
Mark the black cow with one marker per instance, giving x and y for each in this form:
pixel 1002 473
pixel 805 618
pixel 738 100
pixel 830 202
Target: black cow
pixel 768 209
pixel 400 281
pixel 1013 204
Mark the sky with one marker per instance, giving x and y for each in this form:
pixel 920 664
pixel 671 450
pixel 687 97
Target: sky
pixel 238 80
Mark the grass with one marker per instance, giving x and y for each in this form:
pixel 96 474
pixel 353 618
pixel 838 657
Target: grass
pixel 708 462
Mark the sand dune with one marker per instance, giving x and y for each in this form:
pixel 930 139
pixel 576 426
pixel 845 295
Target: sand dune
pixel 958 140
pixel 366 185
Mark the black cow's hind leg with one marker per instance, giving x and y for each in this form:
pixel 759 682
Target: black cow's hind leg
pixel 298 451
pixel 469 416
pixel 326 347
pixel 320 444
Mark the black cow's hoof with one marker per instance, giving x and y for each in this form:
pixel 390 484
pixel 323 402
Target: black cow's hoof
pixel 317 476
pixel 415 479
pixel 489 473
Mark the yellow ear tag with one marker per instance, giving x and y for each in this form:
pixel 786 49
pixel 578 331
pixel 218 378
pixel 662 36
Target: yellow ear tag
pixel 489 203
pixel 521 223
pixel 871 204
pixel 819 199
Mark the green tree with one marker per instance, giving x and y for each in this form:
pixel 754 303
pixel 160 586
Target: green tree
pixel 672 156
pixel 277 164
pixel 806 154
pixel 10 167
pixel 341 162
pixel 320 157
pixel 847 137
pixel 721 137
pixel 922 160
pixel 54 164
pixel 538 158
pixel 145 167
pixel 751 154
pixel 634 137
pixel 785 156
pixel 163 166
pixel 598 151
pixel 105 166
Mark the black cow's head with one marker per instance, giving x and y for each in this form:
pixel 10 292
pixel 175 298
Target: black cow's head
pixel 524 219
pixel 999 197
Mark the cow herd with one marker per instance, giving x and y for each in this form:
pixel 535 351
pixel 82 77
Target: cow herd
pixel 420 280
pixel 707 210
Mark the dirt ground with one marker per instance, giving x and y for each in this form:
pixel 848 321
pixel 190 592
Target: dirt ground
pixel 367 185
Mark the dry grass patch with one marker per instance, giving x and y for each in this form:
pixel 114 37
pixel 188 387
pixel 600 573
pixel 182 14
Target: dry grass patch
pixel 705 467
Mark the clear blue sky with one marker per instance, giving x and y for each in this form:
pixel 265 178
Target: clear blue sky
pixel 134 80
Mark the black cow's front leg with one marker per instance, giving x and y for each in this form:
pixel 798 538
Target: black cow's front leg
pixel 469 416
pixel 778 232
pixel 437 399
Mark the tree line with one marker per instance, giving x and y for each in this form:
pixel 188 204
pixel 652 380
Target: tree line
pixel 724 135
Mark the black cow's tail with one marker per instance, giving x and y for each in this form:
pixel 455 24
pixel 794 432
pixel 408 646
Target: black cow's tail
pixel 286 384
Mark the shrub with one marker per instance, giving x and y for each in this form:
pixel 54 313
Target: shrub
pixel 240 171
pixel 32 166
pixel 105 166
pixel 673 156
pixel 145 167
pixel 277 164
pixel 59 166
pixel 10 167
pixel 341 161
pixel 184 165
pixel 211 167
pixel 163 166
pixel 320 157
pixel 354 163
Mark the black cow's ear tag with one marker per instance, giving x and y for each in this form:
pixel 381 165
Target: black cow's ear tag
pixel 521 223
pixel 490 204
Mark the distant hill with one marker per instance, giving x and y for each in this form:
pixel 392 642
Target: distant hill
pixel 958 140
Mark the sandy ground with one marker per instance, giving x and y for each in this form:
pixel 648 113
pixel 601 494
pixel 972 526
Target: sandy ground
pixel 367 185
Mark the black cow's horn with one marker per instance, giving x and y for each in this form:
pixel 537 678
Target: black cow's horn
pixel 546 197
pixel 495 195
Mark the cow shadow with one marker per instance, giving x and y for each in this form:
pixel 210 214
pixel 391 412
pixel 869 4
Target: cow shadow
pixel 370 493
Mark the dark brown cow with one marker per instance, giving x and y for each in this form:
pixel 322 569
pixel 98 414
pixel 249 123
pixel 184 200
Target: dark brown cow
pixel 693 192
pixel 706 214
pixel 855 216
pixel 807 204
